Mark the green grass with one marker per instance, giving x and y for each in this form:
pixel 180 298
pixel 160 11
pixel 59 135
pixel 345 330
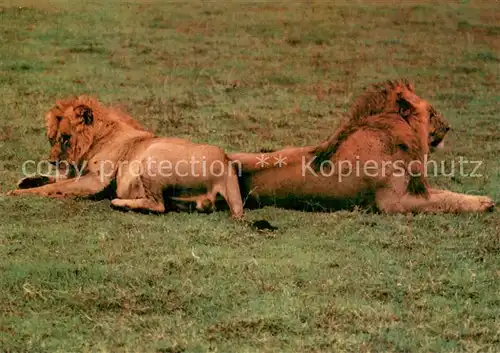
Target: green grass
pixel 77 276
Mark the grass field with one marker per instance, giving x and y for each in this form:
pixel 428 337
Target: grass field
pixel 77 276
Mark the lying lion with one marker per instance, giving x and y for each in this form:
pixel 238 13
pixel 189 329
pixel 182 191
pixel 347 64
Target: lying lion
pixel 93 145
pixel 391 130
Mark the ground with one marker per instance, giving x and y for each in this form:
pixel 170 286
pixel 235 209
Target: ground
pixel 78 276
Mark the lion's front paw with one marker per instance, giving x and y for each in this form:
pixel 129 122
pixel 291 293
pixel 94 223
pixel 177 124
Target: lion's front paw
pixel 19 192
pixel 13 192
pixel 119 204
pixel 480 204
pixel 55 195
pixel 33 182
pixel 487 205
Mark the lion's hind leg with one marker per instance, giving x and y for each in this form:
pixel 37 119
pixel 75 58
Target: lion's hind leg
pixel 137 193
pixel 227 186
pixel 140 205
pixel 202 203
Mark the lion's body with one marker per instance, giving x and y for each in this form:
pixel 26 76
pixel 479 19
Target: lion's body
pixel 337 182
pixel 107 146
pixel 376 160
pixel 163 162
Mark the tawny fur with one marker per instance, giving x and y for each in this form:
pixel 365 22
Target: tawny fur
pixel 388 124
pixel 383 98
pixel 106 145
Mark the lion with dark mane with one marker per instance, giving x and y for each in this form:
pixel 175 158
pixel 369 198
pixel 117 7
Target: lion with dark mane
pixel 391 130
pixel 94 146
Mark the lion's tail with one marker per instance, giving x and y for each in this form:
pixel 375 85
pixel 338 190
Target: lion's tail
pixel 253 162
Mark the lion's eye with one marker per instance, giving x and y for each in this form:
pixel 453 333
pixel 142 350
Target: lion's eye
pixel 65 138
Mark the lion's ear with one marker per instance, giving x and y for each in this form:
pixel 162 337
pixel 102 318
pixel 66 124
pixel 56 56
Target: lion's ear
pixel 408 84
pixel 405 106
pixel 85 113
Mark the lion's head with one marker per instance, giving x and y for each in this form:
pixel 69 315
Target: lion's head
pixel 383 97
pixel 74 123
pixel 438 128
pixel 70 133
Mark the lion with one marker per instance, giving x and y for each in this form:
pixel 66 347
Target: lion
pixel 392 130
pixel 95 147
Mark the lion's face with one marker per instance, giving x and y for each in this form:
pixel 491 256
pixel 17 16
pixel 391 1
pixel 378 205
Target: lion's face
pixel 438 128
pixel 69 133
pixel 436 125
pixel 385 97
